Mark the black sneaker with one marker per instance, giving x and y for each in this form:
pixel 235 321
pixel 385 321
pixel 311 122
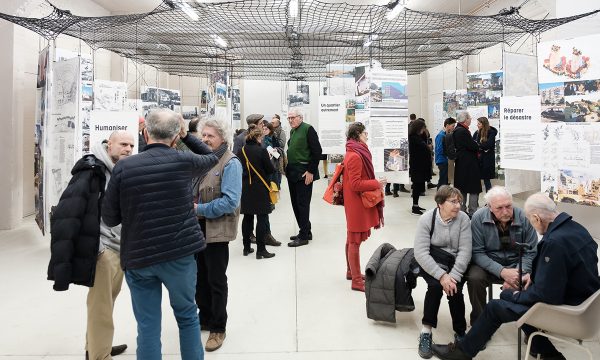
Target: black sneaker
pixel 425 346
pixel 416 210
pixel 396 194
pixel 388 193
pixel 431 185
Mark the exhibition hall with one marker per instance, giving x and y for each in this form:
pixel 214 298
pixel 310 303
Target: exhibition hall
pixel 395 154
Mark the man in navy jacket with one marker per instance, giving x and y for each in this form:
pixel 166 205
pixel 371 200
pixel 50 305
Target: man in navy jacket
pixel 150 194
pixel 565 271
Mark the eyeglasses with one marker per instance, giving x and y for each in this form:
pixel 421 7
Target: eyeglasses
pixel 454 202
pixel 292 117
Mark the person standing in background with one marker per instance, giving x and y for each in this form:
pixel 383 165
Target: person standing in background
pixel 485 137
pixel 441 160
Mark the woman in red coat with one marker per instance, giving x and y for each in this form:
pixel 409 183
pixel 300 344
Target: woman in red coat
pixel 359 176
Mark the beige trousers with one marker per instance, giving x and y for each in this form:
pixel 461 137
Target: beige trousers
pixel 450 171
pixel 100 305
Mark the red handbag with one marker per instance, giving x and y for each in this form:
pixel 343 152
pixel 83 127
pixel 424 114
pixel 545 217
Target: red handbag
pixel 334 194
pixel 371 198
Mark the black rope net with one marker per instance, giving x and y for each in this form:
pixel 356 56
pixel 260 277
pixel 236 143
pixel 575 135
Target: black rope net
pixel 267 40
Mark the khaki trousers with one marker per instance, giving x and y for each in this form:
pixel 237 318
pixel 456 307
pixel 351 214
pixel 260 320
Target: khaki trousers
pixel 100 305
pixel 450 171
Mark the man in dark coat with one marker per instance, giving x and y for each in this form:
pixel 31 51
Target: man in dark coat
pixel 150 194
pixel 565 272
pixel 466 168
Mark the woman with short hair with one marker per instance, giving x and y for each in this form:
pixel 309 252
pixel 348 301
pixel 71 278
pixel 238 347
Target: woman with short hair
pixel 443 250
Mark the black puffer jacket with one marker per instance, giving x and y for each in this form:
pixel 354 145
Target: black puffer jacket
pixel 75 226
pixel 151 195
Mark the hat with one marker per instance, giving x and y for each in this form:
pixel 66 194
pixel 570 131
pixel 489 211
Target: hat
pixel 254 118
pixel 141 119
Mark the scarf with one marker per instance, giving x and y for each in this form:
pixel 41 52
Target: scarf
pixel 465 126
pixel 219 152
pixel 367 159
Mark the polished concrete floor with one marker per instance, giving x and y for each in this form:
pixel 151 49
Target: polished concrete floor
pixel 296 305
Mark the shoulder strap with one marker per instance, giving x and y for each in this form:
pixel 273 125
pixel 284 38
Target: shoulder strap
pixel 250 166
pixel 432 223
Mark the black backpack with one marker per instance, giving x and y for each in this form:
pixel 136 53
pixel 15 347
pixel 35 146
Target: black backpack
pixel 449 148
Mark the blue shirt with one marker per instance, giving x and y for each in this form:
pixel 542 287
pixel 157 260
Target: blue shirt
pixel 440 157
pixel 231 192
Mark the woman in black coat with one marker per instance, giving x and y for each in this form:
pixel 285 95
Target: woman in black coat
pixel 419 162
pixel 485 137
pixel 255 195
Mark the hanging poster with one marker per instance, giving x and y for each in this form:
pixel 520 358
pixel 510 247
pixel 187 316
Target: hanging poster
pixel 189 112
pixel 110 95
pixel 85 105
pixel 485 89
pixel 341 81
pixel 41 116
pixel 388 123
pixel 332 124
pixel 103 123
pixel 61 127
pixel 300 96
pixel 236 107
pixel 453 101
pixel 521 136
pixel 153 97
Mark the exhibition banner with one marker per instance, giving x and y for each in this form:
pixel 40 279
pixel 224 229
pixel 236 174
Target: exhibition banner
pixel 103 123
pixel 217 95
pixel 39 152
pixel 521 137
pixel 332 124
pixel 153 98
pixel 62 126
pixel 485 89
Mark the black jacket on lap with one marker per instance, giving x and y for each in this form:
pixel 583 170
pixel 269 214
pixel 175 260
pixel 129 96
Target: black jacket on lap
pixel 75 226
pixel 151 195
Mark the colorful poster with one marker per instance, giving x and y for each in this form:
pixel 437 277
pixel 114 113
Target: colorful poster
pixel 569 60
pixel 332 124
pixel 485 89
pixel 217 95
pixel 453 101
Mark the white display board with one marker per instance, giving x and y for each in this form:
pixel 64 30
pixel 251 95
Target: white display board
pixel 332 124
pixel 110 95
pixel 103 123
pixel 521 137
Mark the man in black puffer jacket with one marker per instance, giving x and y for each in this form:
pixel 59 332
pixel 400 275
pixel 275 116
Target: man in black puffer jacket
pixel 150 194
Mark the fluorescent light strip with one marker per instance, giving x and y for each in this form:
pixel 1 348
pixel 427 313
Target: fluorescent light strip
pixel 188 10
pixel 219 41
pixel 293 8
pixel 395 11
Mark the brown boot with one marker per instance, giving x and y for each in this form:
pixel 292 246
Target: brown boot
pixel 215 340
pixel 270 240
pixel 358 283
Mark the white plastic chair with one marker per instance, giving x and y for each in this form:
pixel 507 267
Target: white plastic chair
pixel 564 322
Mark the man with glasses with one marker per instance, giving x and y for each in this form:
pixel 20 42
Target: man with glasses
pixel 303 153
pixel 496 228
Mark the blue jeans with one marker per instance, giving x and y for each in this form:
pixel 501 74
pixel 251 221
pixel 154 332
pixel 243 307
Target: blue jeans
pixel 145 284
pixel 443 180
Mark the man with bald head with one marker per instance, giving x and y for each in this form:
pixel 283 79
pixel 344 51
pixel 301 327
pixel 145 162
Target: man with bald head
pixel 565 272
pixel 496 230
pixel 77 210
pixel 150 195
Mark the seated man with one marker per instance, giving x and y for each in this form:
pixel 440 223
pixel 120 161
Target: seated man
pixel 495 229
pixel 565 271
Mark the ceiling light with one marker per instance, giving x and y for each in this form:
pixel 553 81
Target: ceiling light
pixel 187 9
pixel 395 8
pixel 219 41
pixel 293 8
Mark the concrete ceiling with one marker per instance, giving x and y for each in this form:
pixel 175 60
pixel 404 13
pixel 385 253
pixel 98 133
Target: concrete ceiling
pixel 446 6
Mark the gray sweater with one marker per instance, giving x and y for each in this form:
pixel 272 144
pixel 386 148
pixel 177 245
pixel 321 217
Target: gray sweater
pixel 454 238
pixel 110 237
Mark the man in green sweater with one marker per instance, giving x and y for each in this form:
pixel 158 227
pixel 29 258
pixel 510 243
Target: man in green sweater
pixel 304 153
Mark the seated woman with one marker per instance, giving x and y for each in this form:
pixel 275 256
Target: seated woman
pixel 443 251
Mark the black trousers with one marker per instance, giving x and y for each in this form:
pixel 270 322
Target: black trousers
pixel 496 313
pixel 478 281
pixel 417 189
pixel 211 286
pixel 262 224
pixel 301 196
pixel 396 188
pixel 433 298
